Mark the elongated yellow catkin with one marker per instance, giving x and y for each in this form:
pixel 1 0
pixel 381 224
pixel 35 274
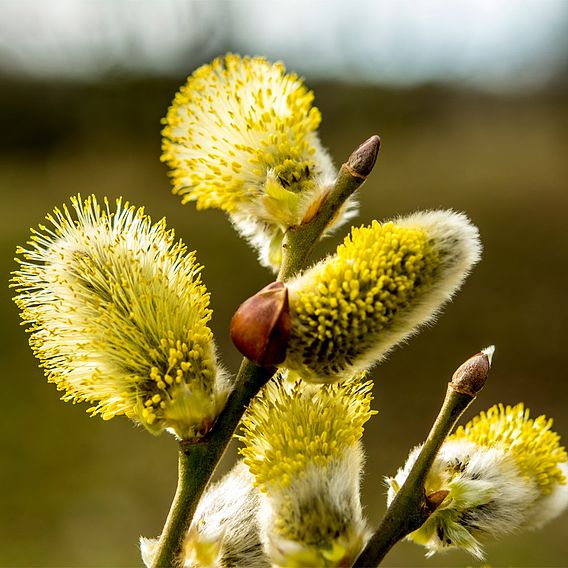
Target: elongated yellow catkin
pixel 302 445
pixel 118 317
pixel 383 282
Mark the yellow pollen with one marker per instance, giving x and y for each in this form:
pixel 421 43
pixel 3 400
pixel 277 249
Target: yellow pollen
pixel 115 306
pixel 340 308
pixel 534 446
pixel 289 425
pixel 248 117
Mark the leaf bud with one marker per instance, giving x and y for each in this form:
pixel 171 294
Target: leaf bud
pixel 469 378
pixel 362 160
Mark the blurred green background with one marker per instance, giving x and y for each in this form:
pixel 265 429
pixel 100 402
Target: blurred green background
pixel 77 491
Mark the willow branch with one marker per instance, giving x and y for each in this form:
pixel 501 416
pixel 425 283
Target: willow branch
pixel 411 508
pixel 299 241
pixel 198 459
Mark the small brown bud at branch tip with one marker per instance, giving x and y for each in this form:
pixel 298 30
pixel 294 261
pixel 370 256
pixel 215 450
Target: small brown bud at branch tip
pixel 470 377
pixel 260 328
pixel 362 160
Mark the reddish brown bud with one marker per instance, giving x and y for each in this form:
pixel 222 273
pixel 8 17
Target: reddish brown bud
pixel 434 500
pixel 470 377
pixel 362 160
pixel 260 328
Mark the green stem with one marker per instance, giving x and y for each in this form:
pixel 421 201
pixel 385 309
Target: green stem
pixel 409 509
pixel 198 459
pixel 190 460
pixel 299 241
pixel 197 462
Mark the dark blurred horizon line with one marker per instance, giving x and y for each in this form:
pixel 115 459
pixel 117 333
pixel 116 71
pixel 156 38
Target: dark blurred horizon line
pixel 40 115
pixel 118 75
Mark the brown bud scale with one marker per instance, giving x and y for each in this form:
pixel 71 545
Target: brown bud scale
pixel 260 328
pixel 435 499
pixel 362 160
pixel 469 378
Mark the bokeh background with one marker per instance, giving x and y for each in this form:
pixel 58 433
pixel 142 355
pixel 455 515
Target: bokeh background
pixel 470 100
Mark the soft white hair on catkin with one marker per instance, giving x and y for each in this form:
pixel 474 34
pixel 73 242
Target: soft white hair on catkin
pixel 458 242
pixel 550 506
pixel 512 501
pixel 332 490
pixel 227 514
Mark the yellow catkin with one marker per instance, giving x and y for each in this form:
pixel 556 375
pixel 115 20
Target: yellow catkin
pixel 533 445
pixel 241 136
pixel 340 311
pixel 290 426
pixel 383 283
pixel 235 121
pixel 118 317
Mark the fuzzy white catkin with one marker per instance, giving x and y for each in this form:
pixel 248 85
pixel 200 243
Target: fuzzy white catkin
pixel 224 532
pixel 382 284
pixel 302 444
pixel 321 508
pixel 489 497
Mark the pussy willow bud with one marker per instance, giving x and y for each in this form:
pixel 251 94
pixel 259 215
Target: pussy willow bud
pixel 383 282
pixel 302 445
pixel 260 328
pixel 501 473
pixel 362 160
pixel 241 136
pixel 118 318
pixel 469 378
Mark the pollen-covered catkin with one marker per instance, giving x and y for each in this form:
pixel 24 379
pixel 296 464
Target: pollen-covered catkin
pixel 241 136
pixel 503 472
pixel 118 317
pixel 302 445
pixel 382 283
